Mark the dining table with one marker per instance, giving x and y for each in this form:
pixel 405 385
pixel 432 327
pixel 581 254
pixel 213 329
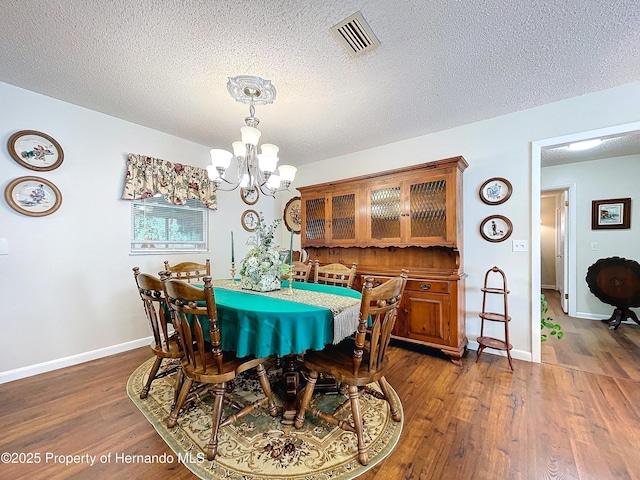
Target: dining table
pixel 284 323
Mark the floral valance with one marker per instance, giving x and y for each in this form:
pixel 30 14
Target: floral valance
pixel 148 176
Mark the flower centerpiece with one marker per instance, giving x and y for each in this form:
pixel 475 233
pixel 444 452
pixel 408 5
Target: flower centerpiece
pixel 262 267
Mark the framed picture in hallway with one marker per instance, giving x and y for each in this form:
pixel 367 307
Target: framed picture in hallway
pixel 611 214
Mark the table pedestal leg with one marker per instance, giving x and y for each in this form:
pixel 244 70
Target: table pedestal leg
pixel 290 385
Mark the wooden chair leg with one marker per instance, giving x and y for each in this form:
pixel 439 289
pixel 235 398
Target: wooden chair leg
pixel 182 397
pixel 393 408
pixel 266 387
pixel 152 375
pixel 363 456
pixel 306 398
pixel 212 447
pixel 177 387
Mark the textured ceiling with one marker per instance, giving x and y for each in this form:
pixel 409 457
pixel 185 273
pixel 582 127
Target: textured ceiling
pixel 441 63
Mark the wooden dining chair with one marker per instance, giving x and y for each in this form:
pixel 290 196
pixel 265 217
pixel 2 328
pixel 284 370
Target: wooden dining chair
pixel 188 271
pixel 358 361
pixel 301 271
pixel 165 344
pixel 335 274
pixel 206 363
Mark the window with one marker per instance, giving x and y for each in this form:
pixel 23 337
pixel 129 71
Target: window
pixel 158 226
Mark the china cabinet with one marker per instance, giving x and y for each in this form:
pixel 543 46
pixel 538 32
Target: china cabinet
pixel 407 218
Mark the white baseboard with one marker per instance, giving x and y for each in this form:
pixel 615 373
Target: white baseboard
pixel 592 316
pixel 38 368
pixel 548 287
pixel 515 353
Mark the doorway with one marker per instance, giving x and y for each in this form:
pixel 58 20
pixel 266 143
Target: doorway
pixel 537 188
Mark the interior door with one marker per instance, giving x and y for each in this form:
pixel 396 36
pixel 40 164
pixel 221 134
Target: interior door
pixel 562 250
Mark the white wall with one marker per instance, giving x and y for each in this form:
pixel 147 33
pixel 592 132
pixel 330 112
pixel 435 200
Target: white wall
pixel 600 180
pixel 498 147
pixel 66 287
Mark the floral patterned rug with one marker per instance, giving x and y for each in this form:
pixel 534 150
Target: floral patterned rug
pixel 258 446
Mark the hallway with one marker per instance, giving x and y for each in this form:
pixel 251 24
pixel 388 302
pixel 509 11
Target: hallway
pixel 590 346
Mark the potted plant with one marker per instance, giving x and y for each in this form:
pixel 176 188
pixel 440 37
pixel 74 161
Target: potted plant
pixel 546 322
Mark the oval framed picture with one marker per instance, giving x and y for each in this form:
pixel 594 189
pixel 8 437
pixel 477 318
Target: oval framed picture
pixel 496 228
pixel 33 196
pixel 495 191
pixel 293 215
pixel 249 196
pixel 249 220
pixel 35 150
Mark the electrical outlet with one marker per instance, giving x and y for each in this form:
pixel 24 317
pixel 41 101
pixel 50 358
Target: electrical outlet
pixel 594 246
pixel 520 245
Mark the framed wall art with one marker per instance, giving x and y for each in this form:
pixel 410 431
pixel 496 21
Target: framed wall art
pixel 611 214
pixel 249 196
pixel 33 196
pixel 293 215
pixel 35 150
pixel 249 220
pixel 496 228
pixel 495 191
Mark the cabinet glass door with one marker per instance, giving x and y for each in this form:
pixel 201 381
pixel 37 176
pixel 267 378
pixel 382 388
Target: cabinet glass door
pixel 343 217
pixel 315 226
pixel 428 209
pixel 385 212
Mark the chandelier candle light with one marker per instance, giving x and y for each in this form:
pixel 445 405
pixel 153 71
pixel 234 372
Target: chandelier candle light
pixel 255 171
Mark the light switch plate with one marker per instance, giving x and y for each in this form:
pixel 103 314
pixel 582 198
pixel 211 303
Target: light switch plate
pixel 4 246
pixel 520 245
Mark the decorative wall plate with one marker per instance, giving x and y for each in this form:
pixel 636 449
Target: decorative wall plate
pixel 250 197
pixel 33 196
pixel 495 191
pixel 35 150
pixel 249 220
pixel 293 215
pixel 496 228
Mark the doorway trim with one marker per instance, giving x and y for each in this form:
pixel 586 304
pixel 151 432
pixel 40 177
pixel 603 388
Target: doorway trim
pixel 534 215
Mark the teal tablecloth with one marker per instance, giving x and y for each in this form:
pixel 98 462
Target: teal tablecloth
pixel 263 326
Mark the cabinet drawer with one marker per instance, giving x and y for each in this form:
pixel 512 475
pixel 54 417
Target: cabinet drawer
pixel 434 286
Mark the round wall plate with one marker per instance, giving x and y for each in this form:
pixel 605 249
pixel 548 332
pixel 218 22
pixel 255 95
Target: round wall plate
pixel 495 191
pixel 496 228
pixel 33 196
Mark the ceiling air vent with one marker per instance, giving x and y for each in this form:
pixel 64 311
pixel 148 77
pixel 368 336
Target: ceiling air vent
pixel 355 35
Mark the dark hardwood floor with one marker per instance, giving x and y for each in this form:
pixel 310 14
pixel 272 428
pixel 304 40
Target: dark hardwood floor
pixel 477 421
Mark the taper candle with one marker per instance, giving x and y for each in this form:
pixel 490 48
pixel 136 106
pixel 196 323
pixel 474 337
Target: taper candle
pixel 232 254
pixel 291 248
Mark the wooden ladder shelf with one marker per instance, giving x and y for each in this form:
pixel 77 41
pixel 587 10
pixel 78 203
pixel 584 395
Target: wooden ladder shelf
pixel 492 342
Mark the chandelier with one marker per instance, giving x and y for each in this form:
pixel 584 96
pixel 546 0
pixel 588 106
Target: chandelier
pixel 256 171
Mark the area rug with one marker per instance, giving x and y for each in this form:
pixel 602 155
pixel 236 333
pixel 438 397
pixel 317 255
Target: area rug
pixel 258 446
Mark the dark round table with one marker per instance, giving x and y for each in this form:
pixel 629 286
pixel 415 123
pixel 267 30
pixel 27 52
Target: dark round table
pixel 616 281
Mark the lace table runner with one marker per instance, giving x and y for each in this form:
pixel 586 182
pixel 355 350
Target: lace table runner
pixel 346 310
